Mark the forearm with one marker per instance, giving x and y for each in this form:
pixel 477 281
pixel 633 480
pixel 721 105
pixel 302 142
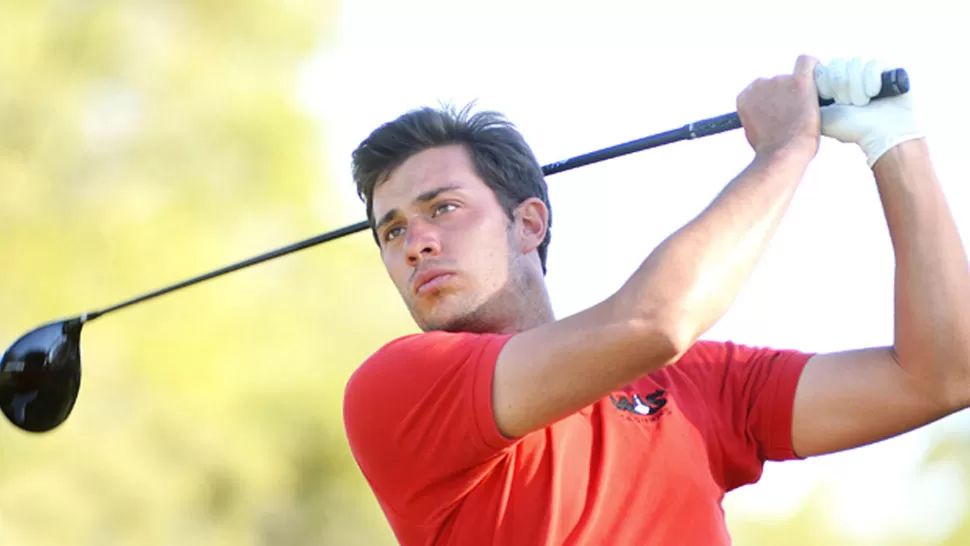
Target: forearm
pixel 692 278
pixel 932 285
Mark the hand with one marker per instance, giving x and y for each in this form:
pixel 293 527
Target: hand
pixel 782 113
pixel 876 126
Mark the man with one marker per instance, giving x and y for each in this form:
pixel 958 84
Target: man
pixel 500 424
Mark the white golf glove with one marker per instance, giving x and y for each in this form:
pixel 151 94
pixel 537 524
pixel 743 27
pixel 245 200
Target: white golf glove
pixel 876 126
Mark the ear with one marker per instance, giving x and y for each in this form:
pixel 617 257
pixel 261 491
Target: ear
pixel 531 224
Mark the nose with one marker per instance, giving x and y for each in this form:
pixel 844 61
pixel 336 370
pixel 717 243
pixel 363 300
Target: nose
pixel 421 241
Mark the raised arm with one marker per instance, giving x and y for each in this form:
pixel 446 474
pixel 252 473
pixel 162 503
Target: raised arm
pixel 849 399
pixel 685 285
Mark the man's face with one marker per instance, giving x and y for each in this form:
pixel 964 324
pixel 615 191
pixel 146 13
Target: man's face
pixel 445 241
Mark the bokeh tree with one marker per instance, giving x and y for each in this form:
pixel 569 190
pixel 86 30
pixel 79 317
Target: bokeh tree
pixel 142 143
pixel 813 523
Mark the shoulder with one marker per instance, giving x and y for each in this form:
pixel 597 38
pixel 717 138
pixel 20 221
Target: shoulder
pixel 418 412
pixel 435 344
pixel 429 352
pixel 412 366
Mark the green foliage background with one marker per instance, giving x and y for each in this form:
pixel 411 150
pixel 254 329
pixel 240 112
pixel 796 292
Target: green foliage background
pixel 142 143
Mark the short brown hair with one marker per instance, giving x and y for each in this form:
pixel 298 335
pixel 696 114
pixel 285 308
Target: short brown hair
pixel 499 153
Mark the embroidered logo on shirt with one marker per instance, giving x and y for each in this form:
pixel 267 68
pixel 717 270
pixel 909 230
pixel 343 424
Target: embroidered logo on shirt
pixel 637 405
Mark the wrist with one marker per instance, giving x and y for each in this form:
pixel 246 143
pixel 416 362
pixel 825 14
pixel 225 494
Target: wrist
pixel 913 151
pixel 901 147
pixel 793 154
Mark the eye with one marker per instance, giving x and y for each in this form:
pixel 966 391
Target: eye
pixel 392 233
pixel 444 207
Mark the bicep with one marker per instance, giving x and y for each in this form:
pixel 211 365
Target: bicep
pixel 853 398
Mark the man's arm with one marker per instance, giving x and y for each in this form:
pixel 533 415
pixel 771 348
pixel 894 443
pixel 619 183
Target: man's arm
pixel 849 399
pixel 682 288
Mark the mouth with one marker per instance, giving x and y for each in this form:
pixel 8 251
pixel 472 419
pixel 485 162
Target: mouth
pixel 429 281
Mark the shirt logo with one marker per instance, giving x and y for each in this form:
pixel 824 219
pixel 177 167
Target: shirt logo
pixel 637 405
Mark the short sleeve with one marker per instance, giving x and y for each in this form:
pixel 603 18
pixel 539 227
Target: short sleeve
pixel 418 416
pixel 752 393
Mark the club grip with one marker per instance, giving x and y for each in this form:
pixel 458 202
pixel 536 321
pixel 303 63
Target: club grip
pixel 894 82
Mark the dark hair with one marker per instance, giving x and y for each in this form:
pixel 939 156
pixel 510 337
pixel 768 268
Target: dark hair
pixel 499 153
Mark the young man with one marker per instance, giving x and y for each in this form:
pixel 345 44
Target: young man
pixel 500 424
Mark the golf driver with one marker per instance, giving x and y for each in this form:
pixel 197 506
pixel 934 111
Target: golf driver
pixel 40 374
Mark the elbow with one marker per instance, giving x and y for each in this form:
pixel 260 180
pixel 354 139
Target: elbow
pixel 945 375
pixel 956 388
pixel 666 339
pixel 660 329
pixel 956 395
pixel 680 339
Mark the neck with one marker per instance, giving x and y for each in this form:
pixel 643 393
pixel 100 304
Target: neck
pixel 532 305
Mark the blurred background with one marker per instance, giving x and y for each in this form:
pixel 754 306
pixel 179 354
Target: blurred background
pixel 143 142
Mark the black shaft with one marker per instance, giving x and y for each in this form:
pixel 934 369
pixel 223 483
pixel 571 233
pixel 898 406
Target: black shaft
pixel 894 82
pixel 593 157
pixel 306 243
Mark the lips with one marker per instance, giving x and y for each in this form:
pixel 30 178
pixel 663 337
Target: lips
pixel 430 279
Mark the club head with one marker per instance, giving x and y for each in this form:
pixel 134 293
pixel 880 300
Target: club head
pixel 40 375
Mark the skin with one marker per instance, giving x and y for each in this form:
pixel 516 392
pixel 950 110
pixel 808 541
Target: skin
pixel 435 212
pixel 552 368
pixel 853 398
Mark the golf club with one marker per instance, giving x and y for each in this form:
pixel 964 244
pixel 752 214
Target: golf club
pixel 40 374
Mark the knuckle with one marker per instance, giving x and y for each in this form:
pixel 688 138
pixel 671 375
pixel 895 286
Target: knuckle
pixel 755 86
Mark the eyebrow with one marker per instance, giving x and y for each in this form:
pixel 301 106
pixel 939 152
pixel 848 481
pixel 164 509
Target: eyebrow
pixel 422 198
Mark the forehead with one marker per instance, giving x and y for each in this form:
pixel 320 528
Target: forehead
pixel 426 170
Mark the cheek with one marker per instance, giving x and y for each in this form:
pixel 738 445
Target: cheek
pixel 490 248
pixel 396 270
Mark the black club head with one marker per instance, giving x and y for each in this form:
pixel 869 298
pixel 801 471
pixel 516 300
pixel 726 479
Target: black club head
pixel 40 375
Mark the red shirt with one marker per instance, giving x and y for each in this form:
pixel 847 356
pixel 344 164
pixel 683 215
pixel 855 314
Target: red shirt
pixel 647 465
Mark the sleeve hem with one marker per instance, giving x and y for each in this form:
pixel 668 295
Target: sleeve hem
pixel 488 430
pixel 780 447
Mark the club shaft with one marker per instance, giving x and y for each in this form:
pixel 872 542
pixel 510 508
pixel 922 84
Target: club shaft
pixel 653 141
pixel 323 238
pixel 894 82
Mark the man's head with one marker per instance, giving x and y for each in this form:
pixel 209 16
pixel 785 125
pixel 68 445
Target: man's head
pixel 452 191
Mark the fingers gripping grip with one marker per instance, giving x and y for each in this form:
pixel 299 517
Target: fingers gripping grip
pixel 894 82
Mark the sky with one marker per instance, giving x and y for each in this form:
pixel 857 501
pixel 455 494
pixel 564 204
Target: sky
pixel 576 77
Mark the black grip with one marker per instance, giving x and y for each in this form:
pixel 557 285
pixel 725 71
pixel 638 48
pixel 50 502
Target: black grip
pixel 712 126
pixel 894 82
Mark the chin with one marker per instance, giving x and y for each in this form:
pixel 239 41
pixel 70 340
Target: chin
pixel 452 316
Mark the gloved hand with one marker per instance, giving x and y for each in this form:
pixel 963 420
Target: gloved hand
pixel 876 126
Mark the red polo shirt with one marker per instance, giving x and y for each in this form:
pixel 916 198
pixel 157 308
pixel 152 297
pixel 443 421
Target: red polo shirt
pixel 647 465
